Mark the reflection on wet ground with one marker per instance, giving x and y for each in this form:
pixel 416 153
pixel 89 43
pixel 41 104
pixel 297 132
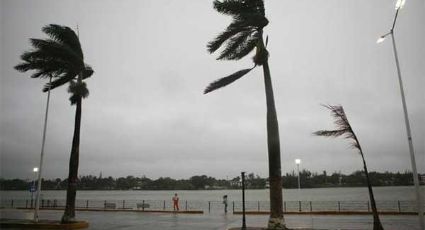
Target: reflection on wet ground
pixel 148 221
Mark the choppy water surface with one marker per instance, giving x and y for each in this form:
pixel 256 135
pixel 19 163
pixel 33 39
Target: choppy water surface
pixel 316 194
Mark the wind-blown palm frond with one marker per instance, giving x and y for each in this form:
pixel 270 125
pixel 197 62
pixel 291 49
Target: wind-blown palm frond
pixel 242 35
pixel 237 7
pixel 239 38
pixel 66 36
pixel 60 56
pixel 342 124
pixel 58 82
pixel 226 80
pixel 54 50
pixel 344 128
pixel 233 29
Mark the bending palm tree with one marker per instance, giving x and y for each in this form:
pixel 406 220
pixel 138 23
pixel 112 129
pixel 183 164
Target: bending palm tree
pixel 344 128
pixel 244 34
pixel 61 57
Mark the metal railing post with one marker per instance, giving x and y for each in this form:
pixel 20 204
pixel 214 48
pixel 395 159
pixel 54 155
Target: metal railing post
pixel 299 206
pixel 164 205
pixel 399 208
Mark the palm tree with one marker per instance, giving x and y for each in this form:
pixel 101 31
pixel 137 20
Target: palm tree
pixel 61 57
pixel 344 128
pixel 244 34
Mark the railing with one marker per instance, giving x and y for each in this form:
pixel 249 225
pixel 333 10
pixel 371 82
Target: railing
pixel 217 206
pixel 330 206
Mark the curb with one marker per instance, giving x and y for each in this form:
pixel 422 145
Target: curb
pixel 126 210
pixel 42 224
pixel 327 213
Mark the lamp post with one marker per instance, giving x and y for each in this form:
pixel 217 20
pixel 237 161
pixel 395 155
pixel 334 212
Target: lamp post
pixel 37 197
pixel 32 189
pixel 419 203
pixel 298 162
pixel 243 201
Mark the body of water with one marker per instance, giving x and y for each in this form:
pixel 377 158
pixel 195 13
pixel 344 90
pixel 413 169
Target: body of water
pixel 406 193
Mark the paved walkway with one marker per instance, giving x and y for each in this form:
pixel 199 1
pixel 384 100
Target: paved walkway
pixel 151 221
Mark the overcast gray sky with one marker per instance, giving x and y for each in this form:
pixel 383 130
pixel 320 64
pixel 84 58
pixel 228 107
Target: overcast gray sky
pixel 146 114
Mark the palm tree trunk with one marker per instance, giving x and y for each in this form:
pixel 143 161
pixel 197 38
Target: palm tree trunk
pixel 276 220
pixel 376 222
pixel 71 192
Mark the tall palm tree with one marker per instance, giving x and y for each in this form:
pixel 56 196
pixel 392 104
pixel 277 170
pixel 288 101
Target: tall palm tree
pixel 344 129
pixel 61 57
pixel 244 34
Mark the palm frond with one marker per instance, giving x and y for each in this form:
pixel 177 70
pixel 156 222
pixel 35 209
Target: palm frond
pixel 234 43
pixel 54 50
pixel 64 35
pixel 330 133
pixel 248 17
pixel 245 48
pixel 226 80
pixel 59 81
pixel 44 67
pixel 236 7
pixel 233 29
pixel 342 124
pixel 59 56
pixel 87 72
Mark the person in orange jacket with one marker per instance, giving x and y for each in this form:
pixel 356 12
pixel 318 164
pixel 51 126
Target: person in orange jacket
pixel 175 202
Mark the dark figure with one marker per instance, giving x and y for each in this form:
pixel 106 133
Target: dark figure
pixel 225 203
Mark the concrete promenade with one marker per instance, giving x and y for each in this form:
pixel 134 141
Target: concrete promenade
pixel 215 221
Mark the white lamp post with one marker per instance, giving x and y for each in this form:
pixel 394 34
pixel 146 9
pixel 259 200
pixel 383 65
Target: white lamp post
pixel 420 204
pixel 37 198
pixel 298 162
pixel 32 189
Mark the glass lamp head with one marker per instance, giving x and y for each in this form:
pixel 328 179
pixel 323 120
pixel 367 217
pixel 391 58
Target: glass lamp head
pixel 399 4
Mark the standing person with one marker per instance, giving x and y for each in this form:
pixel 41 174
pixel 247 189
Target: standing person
pixel 225 203
pixel 175 202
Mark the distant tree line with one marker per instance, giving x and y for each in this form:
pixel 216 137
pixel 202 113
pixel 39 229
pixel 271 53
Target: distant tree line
pixel 203 182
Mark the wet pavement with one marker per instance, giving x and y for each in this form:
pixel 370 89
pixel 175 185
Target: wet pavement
pixel 216 221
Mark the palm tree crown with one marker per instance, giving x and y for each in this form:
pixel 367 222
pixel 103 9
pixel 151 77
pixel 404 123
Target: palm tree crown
pixel 343 126
pixel 242 35
pixel 60 56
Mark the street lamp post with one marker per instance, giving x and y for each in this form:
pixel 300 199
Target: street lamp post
pixel 298 162
pixel 243 201
pixel 32 189
pixel 420 204
pixel 37 197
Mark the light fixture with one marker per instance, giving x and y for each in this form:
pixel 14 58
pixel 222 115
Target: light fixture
pixel 399 4
pixel 380 39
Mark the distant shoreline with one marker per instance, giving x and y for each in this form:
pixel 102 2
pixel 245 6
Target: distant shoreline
pixel 203 182
pixel 422 185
